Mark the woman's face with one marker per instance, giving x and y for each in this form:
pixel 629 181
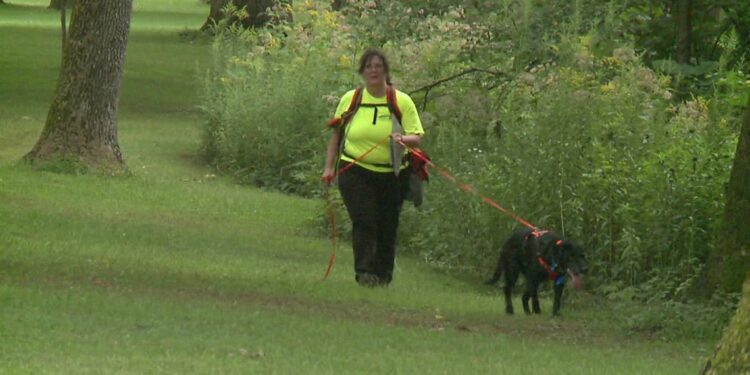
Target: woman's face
pixel 374 73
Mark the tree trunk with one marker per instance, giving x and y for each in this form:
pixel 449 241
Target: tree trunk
pixel 256 10
pixel 730 260
pixel 214 14
pixel 684 31
pixel 733 354
pixel 81 125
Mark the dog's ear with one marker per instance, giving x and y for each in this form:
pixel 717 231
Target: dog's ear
pixel 565 246
pixel 568 246
pixel 560 250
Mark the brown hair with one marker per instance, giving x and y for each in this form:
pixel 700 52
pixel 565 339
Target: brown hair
pixel 368 55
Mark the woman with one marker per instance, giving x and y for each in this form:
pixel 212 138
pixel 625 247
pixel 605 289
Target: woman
pixel 373 192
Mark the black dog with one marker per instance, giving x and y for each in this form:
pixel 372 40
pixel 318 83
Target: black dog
pixel 540 256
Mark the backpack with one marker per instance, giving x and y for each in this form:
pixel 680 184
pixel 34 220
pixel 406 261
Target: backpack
pixel 346 117
pixel 418 164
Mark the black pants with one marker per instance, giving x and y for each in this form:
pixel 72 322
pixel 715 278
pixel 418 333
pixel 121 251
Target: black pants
pixel 374 202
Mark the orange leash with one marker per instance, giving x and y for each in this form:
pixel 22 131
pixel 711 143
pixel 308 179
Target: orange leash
pixel 468 188
pixel 461 185
pixel 360 157
pixel 334 233
pixel 329 204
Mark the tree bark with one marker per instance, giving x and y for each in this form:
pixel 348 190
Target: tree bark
pixel 733 354
pixel 730 260
pixel 214 14
pixel 684 31
pixel 81 125
pixel 256 10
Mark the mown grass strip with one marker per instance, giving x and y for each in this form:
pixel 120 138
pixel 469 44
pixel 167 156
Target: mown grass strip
pixel 174 270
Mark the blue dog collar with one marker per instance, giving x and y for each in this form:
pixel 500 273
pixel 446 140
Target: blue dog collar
pixel 560 280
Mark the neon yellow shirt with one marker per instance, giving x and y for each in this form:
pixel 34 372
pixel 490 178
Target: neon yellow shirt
pixel 371 125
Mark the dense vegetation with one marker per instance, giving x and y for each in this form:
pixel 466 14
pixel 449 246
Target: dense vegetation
pixel 571 114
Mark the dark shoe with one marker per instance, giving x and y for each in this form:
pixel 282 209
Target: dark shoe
pixel 367 279
pixel 384 281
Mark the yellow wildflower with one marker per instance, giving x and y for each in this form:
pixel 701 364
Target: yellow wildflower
pixel 345 61
pixel 609 87
pixel 329 19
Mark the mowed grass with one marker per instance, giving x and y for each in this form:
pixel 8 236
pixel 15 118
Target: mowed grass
pixel 174 270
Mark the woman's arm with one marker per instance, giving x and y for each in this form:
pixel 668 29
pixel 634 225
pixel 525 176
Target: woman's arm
pixel 331 153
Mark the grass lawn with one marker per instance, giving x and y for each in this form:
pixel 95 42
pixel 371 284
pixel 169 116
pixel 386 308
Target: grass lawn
pixel 174 270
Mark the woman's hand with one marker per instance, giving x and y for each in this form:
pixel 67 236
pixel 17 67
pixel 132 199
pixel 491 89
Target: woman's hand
pixel 331 153
pixel 398 137
pixel 410 140
pixel 328 175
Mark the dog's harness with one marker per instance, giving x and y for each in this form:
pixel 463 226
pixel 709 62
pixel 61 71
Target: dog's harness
pixel 552 274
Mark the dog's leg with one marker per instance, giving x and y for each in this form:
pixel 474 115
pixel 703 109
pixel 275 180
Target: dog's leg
pixel 511 275
pixel 557 299
pixel 535 301
pixel 531 292
pixel 508 299
pixel 525 300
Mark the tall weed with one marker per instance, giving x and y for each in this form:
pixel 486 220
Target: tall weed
pixel 591 147
pixel 268 95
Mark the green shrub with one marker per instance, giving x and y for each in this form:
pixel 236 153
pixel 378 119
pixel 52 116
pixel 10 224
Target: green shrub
pixel 592 148
pixel 268 95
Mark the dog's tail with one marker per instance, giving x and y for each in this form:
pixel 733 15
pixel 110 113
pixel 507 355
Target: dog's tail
pixel 495 276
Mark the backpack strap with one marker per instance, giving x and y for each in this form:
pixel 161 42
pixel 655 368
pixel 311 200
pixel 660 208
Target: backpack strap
pixel 391 98
pixel 390 94
pixel 353 106
pixel 349 113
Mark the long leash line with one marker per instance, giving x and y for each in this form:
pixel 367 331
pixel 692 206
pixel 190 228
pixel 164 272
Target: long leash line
pixel 329 203
pixel 468 188
pixel 419 154
pixel 334 232
pixel 360 157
